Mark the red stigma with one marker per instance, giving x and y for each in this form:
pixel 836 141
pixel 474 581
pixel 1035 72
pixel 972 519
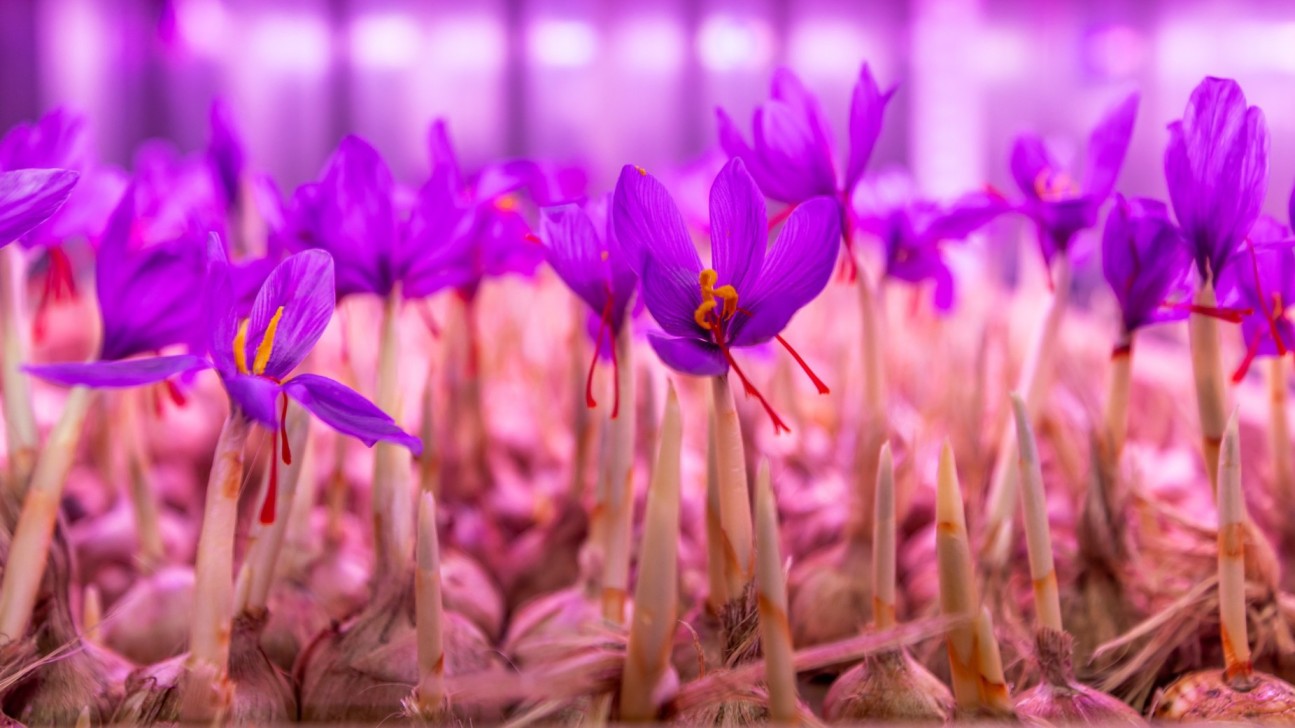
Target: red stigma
pixel 1230 315
pixel 59 285
pixel 177 396
pixel 532 238
pixel 849 270
pixel 1252 350
pixel 781 217
pixel 818 383
pixel 268 507
pixel 778 425
pixel 1270 317
pixel 283 431
pixel 604 327
pixel 425 312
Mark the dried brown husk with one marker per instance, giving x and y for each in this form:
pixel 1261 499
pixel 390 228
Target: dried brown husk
pixel 51 676
pixel 150 622
pixel 363 671
pixel 1208 695
pixel 1059 698
pixel 890 687
pixel 262 693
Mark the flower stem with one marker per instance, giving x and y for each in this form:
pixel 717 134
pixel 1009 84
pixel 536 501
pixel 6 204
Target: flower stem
pixel 1033 385
pixel 734 494
pixel 1232 567
pixel 1279 442
pixel 152 552
pixel 391 497
pixel 656 594
pixel 620 485
pixel 29 549
pixel 429 695
pixel 267 540
pixel 959 596
pixel 1038 538
pixel 19 415
pixel 1207 369
pixel 429 463
pixel 206 685
pixel 1117 396
pixel 771 586
pixel 883 543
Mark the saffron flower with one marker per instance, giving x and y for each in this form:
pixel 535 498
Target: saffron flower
pixel 913 230
pixel 256 355
pixel 791 155
pixel 586 258
pixel 750 291
pixel 29 196
pixel 1059 206
pixel 1262 287
pixel 1146 262
pixel 226 154
pixel 1216 165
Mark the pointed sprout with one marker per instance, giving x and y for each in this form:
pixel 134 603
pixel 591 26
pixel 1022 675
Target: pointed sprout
pixel 958 592
pixel 883 536
pixel 989 662
pixel 1232 567
pixel 771 583
pixel 1043 572
pixel 429 695
pixel 656 595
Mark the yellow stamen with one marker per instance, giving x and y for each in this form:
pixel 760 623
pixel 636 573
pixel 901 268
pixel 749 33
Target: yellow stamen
pixel 702 312
pixel 641 170
pixel 506 203
pixel 267 343
pixel 1053 185
pixel 727 294
pixel 603 256
pixel 240 348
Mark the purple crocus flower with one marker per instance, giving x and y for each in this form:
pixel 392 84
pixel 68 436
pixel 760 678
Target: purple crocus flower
pixel 256 355
pixel 29 196
pixel 750 291
pixel 1216 165
pixel 791 157
pixel 1059 207
pixel 1145 260
pixel 1262 286
pixel 225 152
pixel 913 230
pixel 584 255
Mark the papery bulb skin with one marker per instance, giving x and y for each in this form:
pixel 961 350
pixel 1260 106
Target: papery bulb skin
pixel 1209 696
pixel 363 671
pixel 470 591
pixel 831 594
pixel 1060 699
pixel 294 618
pixel 545 558
pixel 538 629
pixel 890 687
pixel 151 620
pixel 262 693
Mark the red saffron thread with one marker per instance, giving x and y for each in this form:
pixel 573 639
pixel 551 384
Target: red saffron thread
pixel 778 425
pixel 818 383
pixel 271 492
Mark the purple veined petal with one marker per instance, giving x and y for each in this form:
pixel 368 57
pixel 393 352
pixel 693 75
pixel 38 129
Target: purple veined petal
pixel 29 196
pixel 787 87
pixel 1030 158
pixel 1290 210
pixel 738 227
pixel 124 373
pixel 688 355
pixel 789 150
pixel 221 306
pixel 254 397
pixel 735 146
pixel 1144 259
pixel 576 254
pixel 796 269
pixel 346 411
pixel 57 141
pixel 945 289
pixel 154 303
pixel 436 244
pixel 86 212
pixel 867 107
pixel 651 234
pixel 441 151
pixel 302 287
pixel 1107 146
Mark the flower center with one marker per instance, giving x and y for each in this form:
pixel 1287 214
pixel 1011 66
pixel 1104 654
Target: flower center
pixel 1052 185
pixel 263 350
pixel 706 314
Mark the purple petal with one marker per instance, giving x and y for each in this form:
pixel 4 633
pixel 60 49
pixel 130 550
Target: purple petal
pixel 796 269
pixel 966 215
pixel 789 149
pixel 1107 146
pixel 1290 209
pixel 302 286
pixel 1217 169
pixel 1144 259
pixel 441 151
pixel 86 212
pixel 255 397
pixel 435 249
pixel 57 141
pixel 690 356
pixel 738 227
pixel 125 373
pixel 576 254
pixel 29 196
pixel 787 88
pixel 1030 158
pixel 221 306
pixel 867 105
pixel 346 411
pixel 225 151
pixel 651 234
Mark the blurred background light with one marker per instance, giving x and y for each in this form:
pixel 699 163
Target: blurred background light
pixel 729 43
pixel 291 44
pixel 202 26
pixel 471 43
pixel 563 43
pixel 652 45
pixel 385 41
pixel 819 48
